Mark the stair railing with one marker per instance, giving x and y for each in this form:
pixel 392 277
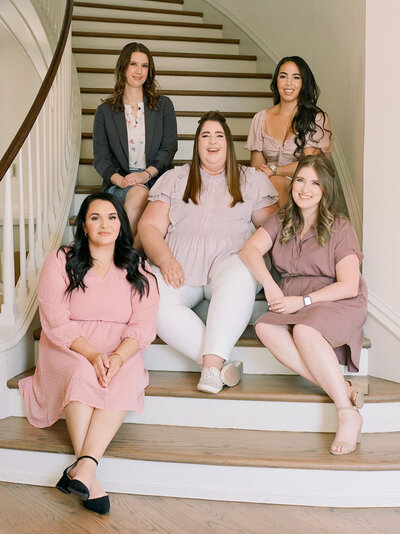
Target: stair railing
pixel 37 175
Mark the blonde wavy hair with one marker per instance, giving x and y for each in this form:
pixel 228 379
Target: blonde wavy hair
pixel 291 216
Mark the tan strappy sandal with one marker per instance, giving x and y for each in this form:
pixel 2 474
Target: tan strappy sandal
pixel 351 447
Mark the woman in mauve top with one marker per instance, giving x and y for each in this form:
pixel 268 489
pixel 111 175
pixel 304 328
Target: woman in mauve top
pixel 98 305
pixel 293 127
pixel 197 220
pixel 321 302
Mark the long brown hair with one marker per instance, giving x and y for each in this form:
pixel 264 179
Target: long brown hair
pixel 328 208
pixel 150 87
pixel 232 169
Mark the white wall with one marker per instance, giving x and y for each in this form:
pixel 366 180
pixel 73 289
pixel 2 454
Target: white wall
pixel 329 35
pixel 382 185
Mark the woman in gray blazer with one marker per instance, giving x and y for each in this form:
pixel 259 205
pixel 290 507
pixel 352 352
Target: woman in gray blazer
pixel 134 132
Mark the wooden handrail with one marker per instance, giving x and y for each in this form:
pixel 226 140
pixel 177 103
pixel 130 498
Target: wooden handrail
pixel 27 125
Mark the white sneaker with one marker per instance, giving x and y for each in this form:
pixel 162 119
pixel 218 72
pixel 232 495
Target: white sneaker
pixel 210 380
pixel 231 373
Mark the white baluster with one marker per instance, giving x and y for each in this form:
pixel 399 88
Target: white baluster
pixel 31 222
pixel 45 175
pixel 22 284
pixel 8 307
pixel 39 215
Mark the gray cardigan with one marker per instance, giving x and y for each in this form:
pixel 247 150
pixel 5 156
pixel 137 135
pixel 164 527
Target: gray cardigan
pixel 110 140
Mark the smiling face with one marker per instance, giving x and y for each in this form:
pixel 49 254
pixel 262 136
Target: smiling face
pixel 137 70
pixel 212 147
pixel 306 190
pixel 101 223
pixel 289 82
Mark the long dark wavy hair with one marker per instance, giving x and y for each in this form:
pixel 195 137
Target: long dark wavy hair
pixel 233 169
pixel 78 257
pixel 150 86
pixel 328 209
pixel 303 122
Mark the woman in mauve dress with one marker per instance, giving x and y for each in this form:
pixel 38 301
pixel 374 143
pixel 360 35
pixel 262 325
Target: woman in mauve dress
pixel 316 315
pixel 98 305
pixel 293 127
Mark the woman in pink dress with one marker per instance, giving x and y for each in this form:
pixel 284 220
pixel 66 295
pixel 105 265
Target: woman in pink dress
pixel 198 218
pixel 293 127
pixel 321 303
pixel 98 306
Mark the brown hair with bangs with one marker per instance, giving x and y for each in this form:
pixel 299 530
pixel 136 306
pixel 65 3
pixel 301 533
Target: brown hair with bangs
pixel 150 87
pixel 233 169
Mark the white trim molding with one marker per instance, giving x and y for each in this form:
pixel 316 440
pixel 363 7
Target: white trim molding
pixel 384 314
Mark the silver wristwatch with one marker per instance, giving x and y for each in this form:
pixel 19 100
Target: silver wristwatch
pixel 274 169
pixel 307 300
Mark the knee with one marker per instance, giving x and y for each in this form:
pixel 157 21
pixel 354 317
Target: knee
pixel 264 333
pixel 136 197
pixel 303 334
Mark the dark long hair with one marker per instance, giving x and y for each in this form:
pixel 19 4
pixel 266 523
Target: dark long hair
pixel 328 208
pixel 303 122
pixel 233 168
pixel 78 257
pixel 150 87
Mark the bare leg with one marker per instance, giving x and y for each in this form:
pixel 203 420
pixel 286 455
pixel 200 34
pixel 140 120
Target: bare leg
pixel 280 342
pixel 101 429
pixel 212 360
pixel 319 356
pixel 135 202
pixel 281 184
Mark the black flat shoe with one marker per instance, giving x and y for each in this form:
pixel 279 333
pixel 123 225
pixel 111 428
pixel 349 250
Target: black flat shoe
pixel 75 486
pixel 101 505
pixel 62 484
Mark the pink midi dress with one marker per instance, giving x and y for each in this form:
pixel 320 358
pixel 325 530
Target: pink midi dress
pixel 108 311
pixel 307 266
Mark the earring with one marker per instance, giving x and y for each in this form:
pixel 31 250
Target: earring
pixel 86 234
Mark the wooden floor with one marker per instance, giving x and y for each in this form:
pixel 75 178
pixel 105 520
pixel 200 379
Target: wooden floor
pixel 35 509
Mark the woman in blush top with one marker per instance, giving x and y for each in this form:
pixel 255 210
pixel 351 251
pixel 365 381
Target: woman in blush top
pixel 294 127
pixel 197 220
pixel 98 305
pixel 134 132
pixel 316 315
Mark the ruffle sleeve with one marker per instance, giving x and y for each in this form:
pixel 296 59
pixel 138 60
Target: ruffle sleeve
pixel 261 190
pixel 142 324
pixel 346 242
pixel 54 303
pixel 169 183
pixel 255 137
pixel 323 137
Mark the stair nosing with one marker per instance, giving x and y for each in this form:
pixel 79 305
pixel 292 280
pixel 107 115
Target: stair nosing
pixel 107 51
pixel 140 9
pixel 199 73
pixel 228 114
pixel 148 22
pixel 187 92
pixel 148 37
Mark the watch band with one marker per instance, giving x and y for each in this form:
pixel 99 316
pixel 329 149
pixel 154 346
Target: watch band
pixel 274 169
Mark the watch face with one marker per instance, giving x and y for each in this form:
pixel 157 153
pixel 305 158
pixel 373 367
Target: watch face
pixel 307 301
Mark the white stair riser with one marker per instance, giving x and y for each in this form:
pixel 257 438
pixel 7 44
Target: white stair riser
pixel 185 150
pixel 205 103
pixel 247 415
pixel 305 487
pixel 108 61
pixel 140 15
pixel 150 4
pixel 144 29
pixel 117 43
pixel 198 83
pixel 186 125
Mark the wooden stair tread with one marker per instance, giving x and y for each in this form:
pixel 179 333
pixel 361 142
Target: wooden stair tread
pixel 210 74
pixel 227 114
pixel 139 9
pixel 209 446
pixel 113 20
pixel 198 55
pixel 267 388
pixel 151 37
pixel 188 92
pixel 181 137
pixel 94 188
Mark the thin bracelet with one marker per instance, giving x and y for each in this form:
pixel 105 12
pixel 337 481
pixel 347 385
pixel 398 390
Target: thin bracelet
pixel 117 354
pixel 149 173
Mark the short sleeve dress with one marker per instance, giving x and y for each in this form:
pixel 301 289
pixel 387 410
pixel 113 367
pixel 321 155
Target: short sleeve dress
pixel 276 154
pixel 202 235
pixel 107 312
pixel 306 266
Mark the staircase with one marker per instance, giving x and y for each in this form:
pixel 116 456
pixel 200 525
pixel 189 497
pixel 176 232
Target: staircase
pixel 265 440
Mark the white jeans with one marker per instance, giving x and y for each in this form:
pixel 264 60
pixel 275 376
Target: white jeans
pixel 231 293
